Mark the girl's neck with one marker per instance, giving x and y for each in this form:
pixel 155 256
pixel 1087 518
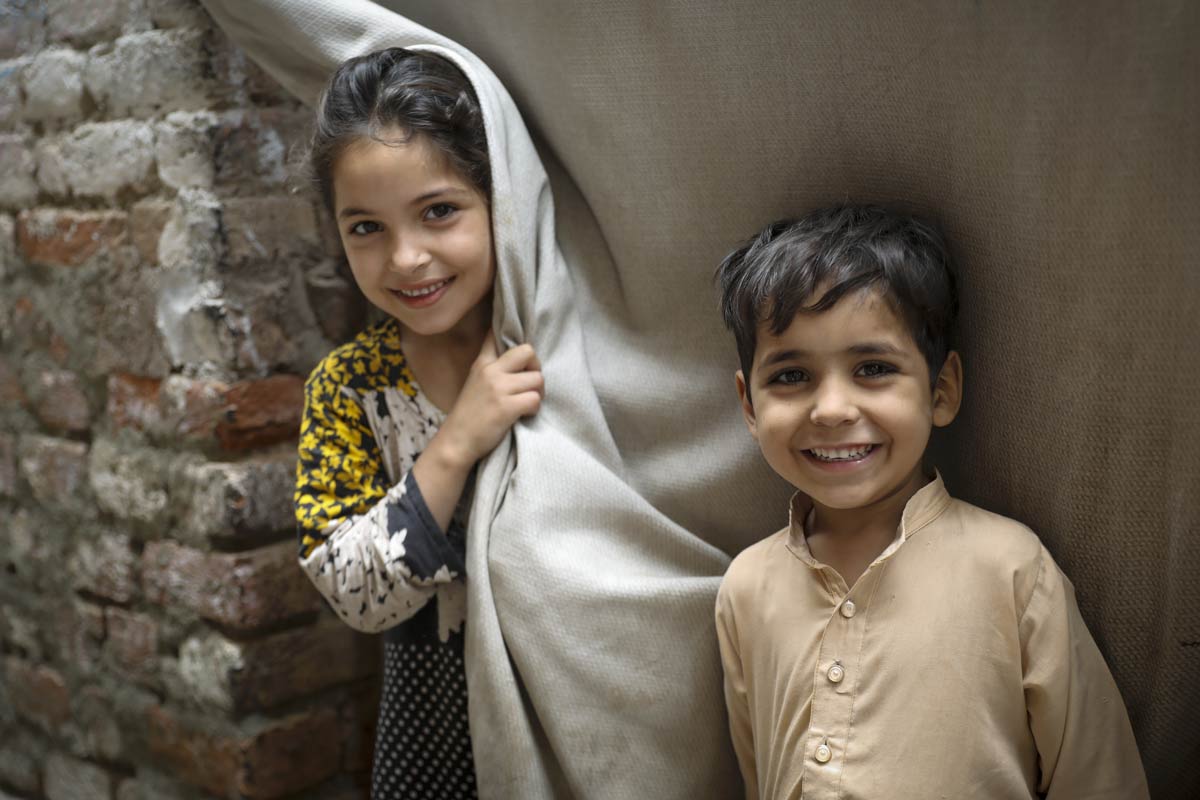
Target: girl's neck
pixel 440 362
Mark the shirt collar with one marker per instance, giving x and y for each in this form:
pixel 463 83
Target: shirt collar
pixel 921 509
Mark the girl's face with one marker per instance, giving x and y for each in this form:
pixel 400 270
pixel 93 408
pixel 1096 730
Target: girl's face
pixel 418 235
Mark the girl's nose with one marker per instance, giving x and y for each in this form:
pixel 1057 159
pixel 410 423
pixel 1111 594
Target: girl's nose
pixel 833 405
pixel 409 255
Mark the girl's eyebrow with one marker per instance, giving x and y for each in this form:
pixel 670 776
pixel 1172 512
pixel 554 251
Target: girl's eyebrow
pixel 422 198
pixel 438 192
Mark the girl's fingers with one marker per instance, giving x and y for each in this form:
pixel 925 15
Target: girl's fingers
pixel 527 403
pixel 528 381
pixel 521 357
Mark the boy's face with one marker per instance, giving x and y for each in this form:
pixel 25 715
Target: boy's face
pixel 842 405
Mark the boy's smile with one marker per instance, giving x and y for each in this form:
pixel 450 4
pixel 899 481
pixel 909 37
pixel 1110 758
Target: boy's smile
pixel 841 405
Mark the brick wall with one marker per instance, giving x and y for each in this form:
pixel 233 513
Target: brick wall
pixel 163 291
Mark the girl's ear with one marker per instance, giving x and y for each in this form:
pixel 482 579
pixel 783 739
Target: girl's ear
pixel 947 392
pixel 747 405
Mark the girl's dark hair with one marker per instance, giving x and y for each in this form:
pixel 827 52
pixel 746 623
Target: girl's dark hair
pixel 774 276
pixel 390 96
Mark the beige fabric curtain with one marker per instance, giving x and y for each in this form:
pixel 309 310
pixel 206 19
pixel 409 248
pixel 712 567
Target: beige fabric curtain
pixel 1057 144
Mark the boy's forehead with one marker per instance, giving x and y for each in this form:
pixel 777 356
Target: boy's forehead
pixel 865 315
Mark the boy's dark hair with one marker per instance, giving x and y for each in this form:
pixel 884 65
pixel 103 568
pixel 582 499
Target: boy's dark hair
pixel 842 249
pixel 405 92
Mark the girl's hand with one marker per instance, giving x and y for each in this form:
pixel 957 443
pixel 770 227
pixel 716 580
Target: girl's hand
pixel 500 389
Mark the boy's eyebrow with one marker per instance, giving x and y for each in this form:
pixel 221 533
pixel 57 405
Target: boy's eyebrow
pixel 879 348
pixel 876 349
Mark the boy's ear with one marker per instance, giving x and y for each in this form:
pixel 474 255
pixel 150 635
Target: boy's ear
pixel 947 391
pixel 747 406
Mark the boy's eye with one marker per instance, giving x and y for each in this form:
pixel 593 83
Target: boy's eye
pixel 439 211
pixel 875 369
pixel 365 227
pixel 790 377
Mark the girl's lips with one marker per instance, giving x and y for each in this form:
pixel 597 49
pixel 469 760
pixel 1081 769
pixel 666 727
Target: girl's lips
pixel 427 297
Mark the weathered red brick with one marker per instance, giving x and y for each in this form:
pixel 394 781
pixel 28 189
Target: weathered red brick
pixel 193 407
pixel 283 756
pixel 8 465
pixel 289 665
pixel 19 768
pixel 270 228
pixel 60 402
pixel 79 634
pixel 105 566
pixel 132 641
pixel 133 401
pixel 290 755
pixel 72 779
pixel 146 225
pixel 56 469
pixel 240 590
pixel 66 238
pixel 38 693
pixel 240 499
pixel 11 392
pixel 202 757
pixel 261 412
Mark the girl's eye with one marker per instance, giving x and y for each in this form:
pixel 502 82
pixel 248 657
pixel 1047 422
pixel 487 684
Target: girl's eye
pixel 875 369
pixel 439 211
pixel 790 377
pixel 365 227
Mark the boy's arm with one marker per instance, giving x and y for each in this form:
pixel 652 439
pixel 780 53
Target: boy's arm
pixel 736 700
pixel 373 551
pixel 1084 740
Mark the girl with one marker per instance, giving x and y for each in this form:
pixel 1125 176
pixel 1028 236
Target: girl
pixel 400 157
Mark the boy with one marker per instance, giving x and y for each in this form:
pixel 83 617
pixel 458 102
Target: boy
pixel 891 642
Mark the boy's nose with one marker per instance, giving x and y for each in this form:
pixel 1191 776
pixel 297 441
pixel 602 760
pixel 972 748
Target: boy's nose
pixel 832 406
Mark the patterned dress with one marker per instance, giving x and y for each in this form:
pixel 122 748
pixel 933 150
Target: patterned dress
pixel 370 545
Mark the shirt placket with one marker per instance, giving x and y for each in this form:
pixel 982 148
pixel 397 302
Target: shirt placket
pixel 834 686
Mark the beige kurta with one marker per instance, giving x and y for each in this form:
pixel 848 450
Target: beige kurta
pixel 957 666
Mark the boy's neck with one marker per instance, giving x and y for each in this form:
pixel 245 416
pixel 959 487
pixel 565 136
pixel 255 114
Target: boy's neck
pixel 849 539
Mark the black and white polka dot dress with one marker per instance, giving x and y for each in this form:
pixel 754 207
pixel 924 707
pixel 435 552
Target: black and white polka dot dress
pixel 422 744
pixel 372 548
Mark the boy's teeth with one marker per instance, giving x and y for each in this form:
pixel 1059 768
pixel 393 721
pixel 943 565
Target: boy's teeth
pixel 430 289
pixel 841 453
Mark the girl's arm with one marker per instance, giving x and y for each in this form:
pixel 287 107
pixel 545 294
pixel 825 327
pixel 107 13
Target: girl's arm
pixel 374 551
pixel 499 390
pixel 378 553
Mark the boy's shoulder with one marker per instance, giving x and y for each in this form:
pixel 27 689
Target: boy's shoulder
pixel 747 572
pixel 989 535
pixel 372 360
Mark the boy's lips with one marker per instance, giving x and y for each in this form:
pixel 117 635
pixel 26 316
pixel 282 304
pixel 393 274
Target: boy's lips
pixel 846 454
pixel 422 294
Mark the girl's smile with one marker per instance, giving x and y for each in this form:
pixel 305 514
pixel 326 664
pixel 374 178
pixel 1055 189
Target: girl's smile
pixel 425 294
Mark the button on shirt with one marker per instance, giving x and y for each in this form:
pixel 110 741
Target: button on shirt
pixel 956 666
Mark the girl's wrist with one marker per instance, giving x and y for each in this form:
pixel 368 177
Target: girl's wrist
pixel 449 454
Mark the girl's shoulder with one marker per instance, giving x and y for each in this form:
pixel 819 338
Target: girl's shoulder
pixel 370 361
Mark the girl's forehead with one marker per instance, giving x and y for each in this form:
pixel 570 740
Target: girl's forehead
pixel 371 172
